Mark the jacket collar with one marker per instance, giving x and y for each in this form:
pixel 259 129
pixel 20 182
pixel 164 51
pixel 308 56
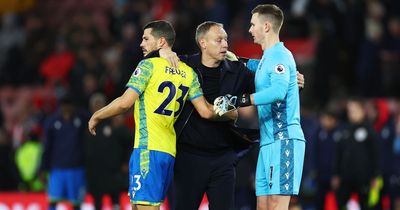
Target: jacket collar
pixel 152 54
pixel 225 64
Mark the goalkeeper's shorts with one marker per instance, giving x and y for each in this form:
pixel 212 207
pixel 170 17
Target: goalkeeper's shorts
pixel 280 167
pixel 148 184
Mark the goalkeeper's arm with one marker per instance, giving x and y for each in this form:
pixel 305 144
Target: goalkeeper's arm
pixel 252 65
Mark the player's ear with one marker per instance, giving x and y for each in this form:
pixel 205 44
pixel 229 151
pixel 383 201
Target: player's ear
pixel 267 26
pixel 162 42
pixel 202 43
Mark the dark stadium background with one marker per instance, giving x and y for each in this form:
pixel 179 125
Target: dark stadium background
pixel 48 48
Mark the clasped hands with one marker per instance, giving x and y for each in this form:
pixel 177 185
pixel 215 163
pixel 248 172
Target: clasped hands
pixel 227 103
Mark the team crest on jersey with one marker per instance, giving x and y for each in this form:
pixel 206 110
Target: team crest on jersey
pixel 280 69
pixel 137 72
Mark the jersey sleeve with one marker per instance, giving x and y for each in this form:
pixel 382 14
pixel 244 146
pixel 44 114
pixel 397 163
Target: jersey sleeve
pixel 195 89
pixel 252 64
pixel 280 75
pixel 141 76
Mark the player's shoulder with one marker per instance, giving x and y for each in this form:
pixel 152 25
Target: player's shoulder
pixel 281 52
pixel 183 65
pixel 155 61
pixel 147 63
pixel 281 55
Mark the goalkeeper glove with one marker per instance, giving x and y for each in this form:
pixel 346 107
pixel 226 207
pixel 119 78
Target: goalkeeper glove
pixel 231 56
pixel 226 103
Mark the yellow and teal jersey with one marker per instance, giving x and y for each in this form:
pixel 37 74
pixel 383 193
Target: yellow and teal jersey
pixel 163 91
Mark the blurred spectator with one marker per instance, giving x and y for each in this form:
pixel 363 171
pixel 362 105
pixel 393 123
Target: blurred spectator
pixel 63 154
pixel 12 40
pixel 85 76
pixel 368 69
pixel 27 158
pixel 83 32
pixel 356 165
pixel 328 135
pixel 57 65
pixel 326 19
pixel 107 156
pixel 115 76
pixel 390 56
pixel 38 45
pixel 326 63
pixel 384 124
pixel 8 172
pixel 350 35
pixel 309 124
pixel 394 183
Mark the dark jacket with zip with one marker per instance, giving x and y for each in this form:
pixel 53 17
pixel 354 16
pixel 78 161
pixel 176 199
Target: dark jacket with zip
pixel 235 79
pixel 357 154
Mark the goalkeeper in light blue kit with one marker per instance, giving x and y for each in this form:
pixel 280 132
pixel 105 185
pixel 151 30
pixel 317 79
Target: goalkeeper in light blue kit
pixel 282 143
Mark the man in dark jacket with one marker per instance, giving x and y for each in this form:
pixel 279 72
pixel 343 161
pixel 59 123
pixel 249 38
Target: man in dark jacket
pixel 106 156
pixel 326 139
pixel 206 150
pixel 357 162
pixel 205 154
pixel 63 154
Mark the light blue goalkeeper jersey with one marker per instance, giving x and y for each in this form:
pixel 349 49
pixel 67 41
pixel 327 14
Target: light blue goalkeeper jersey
pixel 277 95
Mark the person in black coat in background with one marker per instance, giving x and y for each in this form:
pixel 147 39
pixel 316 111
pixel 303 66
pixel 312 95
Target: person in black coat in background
pixel 63 154
pixel 327 137
pixel 357 161
pixel 9 176
pixel 107 157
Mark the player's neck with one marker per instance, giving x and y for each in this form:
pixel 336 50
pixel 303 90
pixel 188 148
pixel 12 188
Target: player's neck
pixel 208 61
pixel 270 41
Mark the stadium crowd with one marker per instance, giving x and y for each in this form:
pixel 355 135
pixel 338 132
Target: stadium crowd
pixel 87 49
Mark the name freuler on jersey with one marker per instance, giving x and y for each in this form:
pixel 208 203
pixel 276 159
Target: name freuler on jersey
pixel 174 71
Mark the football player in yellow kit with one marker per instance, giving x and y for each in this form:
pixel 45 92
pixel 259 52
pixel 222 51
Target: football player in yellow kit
pixel 159 92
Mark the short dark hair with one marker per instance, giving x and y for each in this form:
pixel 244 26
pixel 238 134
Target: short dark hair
pixel 203 28
pixel 272 13
pixel 162 28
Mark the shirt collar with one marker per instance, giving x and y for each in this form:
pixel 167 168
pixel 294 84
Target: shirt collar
pixel 276 45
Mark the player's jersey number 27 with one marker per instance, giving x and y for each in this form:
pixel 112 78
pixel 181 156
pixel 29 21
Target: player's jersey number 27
pixel 169 86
